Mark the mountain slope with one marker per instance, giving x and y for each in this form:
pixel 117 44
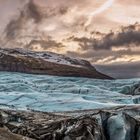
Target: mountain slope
pixel 19 60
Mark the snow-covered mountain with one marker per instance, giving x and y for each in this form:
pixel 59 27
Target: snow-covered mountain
pixel 21 60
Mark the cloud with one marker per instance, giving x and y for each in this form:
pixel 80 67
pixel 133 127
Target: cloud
pixel 29 23
pixel 121 46
pixel 12 28
pixel 32 11
pixel 43 45
pixel 70 17
pixel 15 25
pixel 101 9
pixel 128 35
pixel 46 19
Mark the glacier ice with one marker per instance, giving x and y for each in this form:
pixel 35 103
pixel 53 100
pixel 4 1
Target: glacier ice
pixel 51 93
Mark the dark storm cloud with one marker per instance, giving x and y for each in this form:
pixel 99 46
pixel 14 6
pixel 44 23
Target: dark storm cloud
pixel 128 35
pixel 32 11
pixel 120 71
pixel 44 44
pixel 110 47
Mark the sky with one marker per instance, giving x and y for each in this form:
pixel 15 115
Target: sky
pixel 101 31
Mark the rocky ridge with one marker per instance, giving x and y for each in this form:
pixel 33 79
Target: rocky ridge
pixel 118 123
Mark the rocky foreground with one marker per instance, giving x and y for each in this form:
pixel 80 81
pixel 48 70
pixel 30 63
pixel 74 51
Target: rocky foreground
pixel 119 123
pixel 19 60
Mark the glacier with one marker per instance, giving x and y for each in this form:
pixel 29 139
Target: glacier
pixel 54 94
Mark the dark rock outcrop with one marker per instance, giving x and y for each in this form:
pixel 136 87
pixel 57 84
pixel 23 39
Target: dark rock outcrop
pixel 18 60
pixel 118 123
